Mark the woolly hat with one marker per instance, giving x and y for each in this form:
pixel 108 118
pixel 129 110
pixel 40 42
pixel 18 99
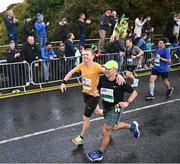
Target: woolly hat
pixel 39 16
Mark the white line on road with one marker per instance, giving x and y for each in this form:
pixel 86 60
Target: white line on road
pixel 79 123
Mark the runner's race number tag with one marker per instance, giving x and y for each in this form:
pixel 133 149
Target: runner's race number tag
pixel 107 95
pixel 129 61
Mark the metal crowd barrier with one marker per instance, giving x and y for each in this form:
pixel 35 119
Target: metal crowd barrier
pixel 47 72
pixel 14 75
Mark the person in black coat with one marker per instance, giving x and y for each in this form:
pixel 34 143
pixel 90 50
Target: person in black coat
pixel 14 71
pixel 28 29
pixel 169 27
pixel 63 29
pixel 82 24
pixel 30 51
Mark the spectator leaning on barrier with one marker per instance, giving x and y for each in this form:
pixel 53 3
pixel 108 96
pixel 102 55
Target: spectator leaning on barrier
pixel 13 54
pixel 82 24
pixel 28 28
pixel 69 52
pixel 41 27
pixel 14 71
pixel 47 54
pixel 69 46
pixel 12 26
pixel 142 42
pixel 63 29
pixel 30 51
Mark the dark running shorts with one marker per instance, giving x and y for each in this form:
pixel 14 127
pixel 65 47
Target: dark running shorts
pixel 91 104
pixel 164 75
pixel 111 117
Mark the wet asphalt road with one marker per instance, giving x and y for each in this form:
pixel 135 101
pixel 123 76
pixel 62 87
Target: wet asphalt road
pixel 19 116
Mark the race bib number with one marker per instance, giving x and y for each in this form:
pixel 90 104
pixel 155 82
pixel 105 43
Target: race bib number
pixel 86 83
pixel 157 62
pixel 129 61
pixel 107 95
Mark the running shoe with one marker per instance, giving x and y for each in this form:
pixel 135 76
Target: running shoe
pixel 95 156
pixel 16 91
pixel 149 97
pixel 169 92
pixel 78 140
pixel 134 129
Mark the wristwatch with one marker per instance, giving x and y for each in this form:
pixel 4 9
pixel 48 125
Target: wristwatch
pixel 129 101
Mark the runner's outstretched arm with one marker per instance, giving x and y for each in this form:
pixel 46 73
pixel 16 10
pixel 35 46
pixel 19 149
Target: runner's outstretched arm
pixel 62 87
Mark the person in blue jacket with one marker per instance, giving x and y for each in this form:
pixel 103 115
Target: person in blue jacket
pixel 11 24
pixel 41 27
pixel 47 54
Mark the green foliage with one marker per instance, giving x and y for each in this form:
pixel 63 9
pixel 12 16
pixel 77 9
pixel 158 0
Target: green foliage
pixel 55 10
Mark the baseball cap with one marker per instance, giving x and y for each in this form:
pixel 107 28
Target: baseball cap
pixel 111 64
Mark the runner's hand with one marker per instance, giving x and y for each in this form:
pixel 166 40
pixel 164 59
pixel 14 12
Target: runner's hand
pixel 62 87
pixel 123 104
pixel 120 80
pixel 96 94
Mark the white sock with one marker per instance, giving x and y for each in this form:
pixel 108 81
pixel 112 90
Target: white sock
pixel 151 87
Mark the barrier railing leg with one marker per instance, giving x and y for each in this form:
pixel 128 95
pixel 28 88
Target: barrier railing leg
pixel 41 87
pixel 24 88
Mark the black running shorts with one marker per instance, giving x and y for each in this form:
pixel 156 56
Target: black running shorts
pixel 164 75
pixel 91 103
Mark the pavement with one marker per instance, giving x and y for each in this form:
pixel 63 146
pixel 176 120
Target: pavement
pixel 38 128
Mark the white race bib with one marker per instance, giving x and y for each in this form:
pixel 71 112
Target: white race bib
pixel 107 95
pixel 86 83
pixel 129 61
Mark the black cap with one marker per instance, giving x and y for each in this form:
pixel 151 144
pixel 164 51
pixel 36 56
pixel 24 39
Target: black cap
pixel 48 43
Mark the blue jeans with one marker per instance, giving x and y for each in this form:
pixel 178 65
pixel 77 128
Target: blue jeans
pixel 120 63
pixel 46 65
pixel 82 38
pixel 42 42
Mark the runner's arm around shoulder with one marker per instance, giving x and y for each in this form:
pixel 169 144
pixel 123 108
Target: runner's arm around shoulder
pixel 119 78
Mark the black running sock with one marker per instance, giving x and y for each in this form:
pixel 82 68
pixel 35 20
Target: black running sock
pixel 81 137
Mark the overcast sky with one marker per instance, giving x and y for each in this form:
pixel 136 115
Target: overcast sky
pixel 5 3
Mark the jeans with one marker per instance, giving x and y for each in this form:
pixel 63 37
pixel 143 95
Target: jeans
pixel 82 38
pixel 42 42
pixel 120 62
pixel 46 65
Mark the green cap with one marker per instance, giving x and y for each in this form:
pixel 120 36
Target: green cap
pixel 111 64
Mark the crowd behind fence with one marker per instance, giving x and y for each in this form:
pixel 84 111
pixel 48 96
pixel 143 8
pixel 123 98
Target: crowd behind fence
pixel 21 75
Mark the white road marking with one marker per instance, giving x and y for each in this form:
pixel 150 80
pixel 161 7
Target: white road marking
pixel 80 123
